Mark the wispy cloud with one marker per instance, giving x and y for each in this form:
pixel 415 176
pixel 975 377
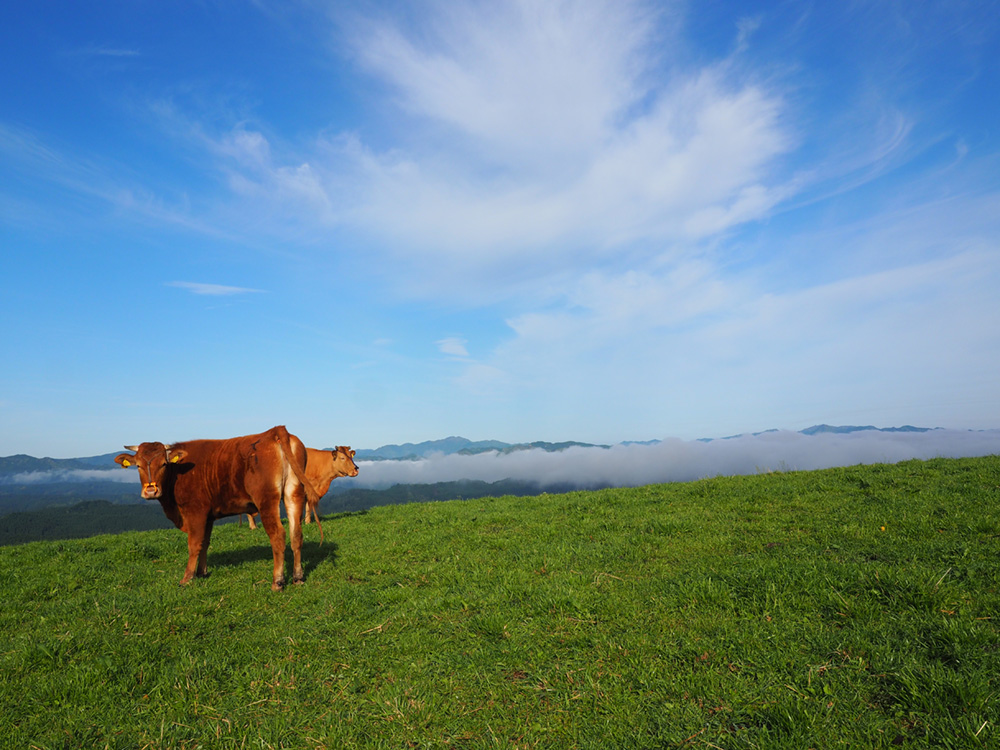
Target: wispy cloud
pixel 657 340
pixel 454 347
pixel 212 290
pixel 526 79
pixel 588 172
pixel 532 140
pixel 104 180
pixel 110 52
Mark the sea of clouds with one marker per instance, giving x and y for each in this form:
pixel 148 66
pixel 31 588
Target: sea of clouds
pixel 625 465
pixel 675 460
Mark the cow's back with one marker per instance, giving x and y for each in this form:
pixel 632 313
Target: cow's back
pixel 211 471
pixel 230 474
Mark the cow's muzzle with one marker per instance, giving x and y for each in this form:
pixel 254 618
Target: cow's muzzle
pixel 151 491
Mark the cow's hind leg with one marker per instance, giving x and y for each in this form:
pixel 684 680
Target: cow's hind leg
pixel 295 501
pixel 271 518
pixel 203 552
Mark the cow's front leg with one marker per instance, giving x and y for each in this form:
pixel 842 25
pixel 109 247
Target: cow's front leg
pixel 196 534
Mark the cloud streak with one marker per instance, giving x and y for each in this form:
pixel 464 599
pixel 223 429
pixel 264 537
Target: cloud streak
pixel 212 290
pixel 454 347
pixel 110 52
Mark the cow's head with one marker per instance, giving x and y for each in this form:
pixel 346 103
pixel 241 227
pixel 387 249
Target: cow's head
pixel 151 459
pixel 343 461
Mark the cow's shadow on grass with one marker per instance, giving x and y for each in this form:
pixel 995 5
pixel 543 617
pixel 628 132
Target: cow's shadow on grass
pixel 259 551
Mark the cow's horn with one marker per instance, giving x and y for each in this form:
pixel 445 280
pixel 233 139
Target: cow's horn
pixel 133 448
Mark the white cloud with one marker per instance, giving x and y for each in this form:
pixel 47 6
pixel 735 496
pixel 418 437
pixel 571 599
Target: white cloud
pixel 690 164
pixel 454 347
pixel 691 348
pixel 747 27
pixel 213 290
pixel 520 79
pixel 111 52
pixel 531 140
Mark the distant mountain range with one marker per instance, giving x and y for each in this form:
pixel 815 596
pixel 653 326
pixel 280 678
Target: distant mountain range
pixel 22 464
pixel 840 430
pixel 459 445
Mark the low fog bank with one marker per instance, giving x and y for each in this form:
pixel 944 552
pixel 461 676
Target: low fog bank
pixel 675 460
pixel 672 460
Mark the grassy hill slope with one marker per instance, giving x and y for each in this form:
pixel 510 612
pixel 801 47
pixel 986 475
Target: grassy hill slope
pixel 847 607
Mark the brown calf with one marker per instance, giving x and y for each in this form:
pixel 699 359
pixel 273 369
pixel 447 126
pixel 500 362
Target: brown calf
pixel 322 467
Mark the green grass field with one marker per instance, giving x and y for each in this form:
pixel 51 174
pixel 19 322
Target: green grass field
pixel 842 608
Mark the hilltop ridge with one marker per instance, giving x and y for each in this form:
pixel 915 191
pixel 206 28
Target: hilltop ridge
pixel 461 446
pixel 464 446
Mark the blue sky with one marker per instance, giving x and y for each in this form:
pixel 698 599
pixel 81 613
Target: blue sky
pixel 389 222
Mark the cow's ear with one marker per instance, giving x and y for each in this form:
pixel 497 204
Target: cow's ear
pixel 175 457
pixel 125 459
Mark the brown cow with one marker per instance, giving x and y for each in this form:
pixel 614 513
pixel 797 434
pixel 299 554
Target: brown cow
pixel 322 467
pixel 199 481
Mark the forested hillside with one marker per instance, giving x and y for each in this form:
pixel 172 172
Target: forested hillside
pixel 74 520
pixel 80 520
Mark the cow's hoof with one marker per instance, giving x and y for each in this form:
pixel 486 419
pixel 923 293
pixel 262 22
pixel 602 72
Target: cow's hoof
pixel 278 585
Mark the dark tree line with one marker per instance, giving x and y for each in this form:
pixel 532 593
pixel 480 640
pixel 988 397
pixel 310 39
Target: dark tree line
pixel 80 520
pixel 92 517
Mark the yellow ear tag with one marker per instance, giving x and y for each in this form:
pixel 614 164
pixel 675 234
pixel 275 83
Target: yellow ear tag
pixel 174 459
pixel 126 463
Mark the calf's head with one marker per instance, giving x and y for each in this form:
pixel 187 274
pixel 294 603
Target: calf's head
pixel 343 461
pixel 151 459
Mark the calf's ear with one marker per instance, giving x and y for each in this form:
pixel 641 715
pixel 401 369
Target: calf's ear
pixel 125 459
pixel 176 456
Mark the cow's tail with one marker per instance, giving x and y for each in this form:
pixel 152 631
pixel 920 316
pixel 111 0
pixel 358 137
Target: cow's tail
pixel 281 437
